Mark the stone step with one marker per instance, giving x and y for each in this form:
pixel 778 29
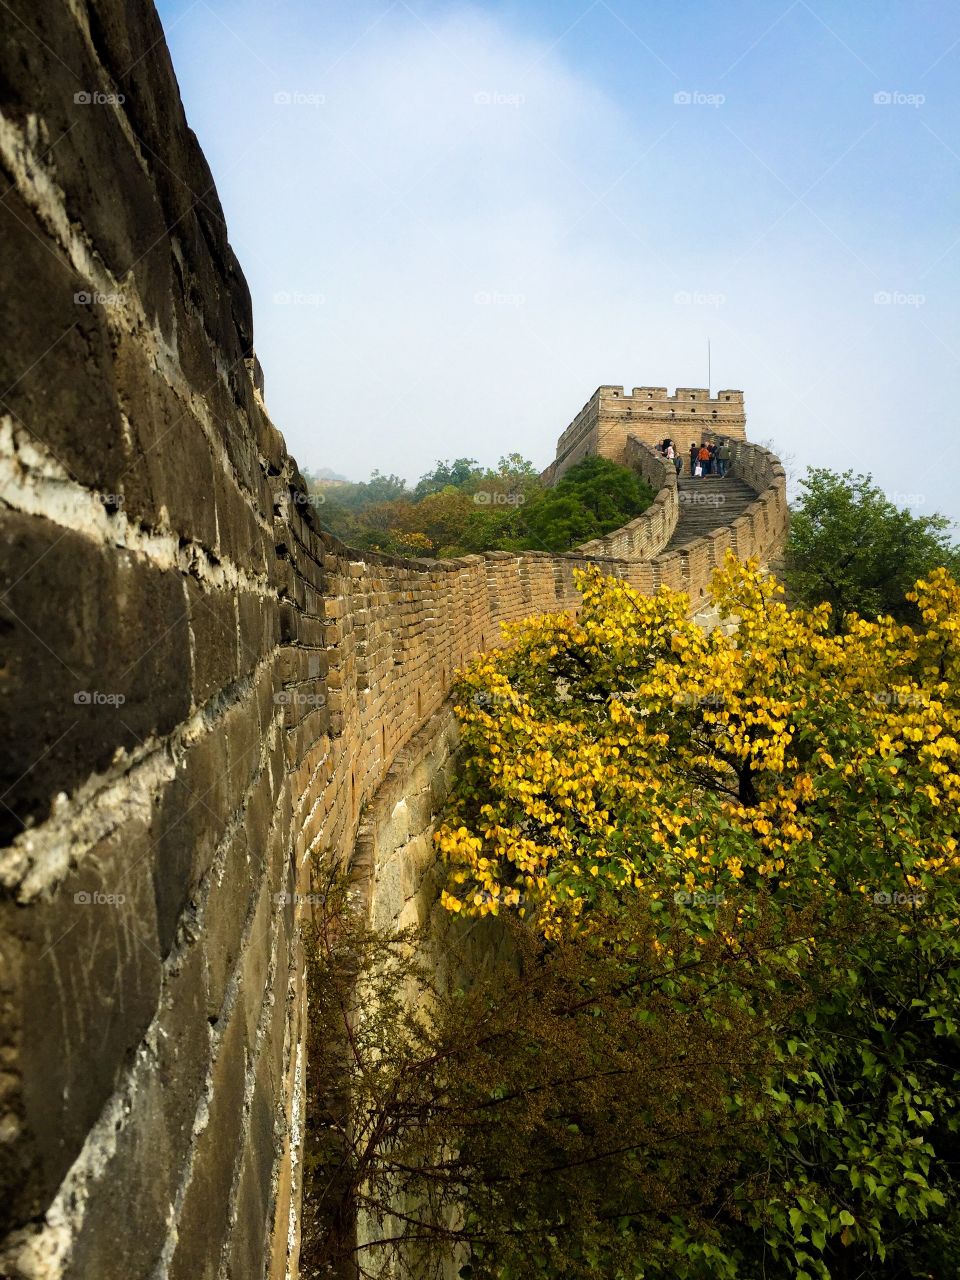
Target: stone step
pixel 708 503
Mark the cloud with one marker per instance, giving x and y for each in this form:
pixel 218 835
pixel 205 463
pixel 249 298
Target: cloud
pixel 455 230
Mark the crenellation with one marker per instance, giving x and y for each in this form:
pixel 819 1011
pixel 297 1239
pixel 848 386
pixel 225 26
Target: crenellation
pixel 609 419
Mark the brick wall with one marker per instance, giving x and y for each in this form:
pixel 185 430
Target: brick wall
pixel 610 418
pixel 205 687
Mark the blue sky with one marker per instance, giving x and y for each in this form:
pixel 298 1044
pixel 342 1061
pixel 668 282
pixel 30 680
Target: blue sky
pixel 458 220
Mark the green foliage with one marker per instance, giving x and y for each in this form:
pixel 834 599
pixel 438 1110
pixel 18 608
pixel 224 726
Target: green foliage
pixel 559 1112
pixel 851 546
pixel 781 802
pixel 457 474
pixel 593 498
pixel 459 508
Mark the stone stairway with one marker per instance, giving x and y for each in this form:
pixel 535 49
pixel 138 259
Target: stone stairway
pixel 707 503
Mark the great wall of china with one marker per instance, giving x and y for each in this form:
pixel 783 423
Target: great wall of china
pixel 209 691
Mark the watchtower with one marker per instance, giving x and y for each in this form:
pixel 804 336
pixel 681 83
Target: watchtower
pixel 651 414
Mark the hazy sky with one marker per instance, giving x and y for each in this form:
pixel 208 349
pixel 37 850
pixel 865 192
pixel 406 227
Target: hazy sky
pixel 457 221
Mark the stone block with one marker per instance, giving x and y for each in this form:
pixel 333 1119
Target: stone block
pixel 213 622
pixel 191 817
pixel 86 970
pixel 143 1159
pixel 203 1221
pixel 98 659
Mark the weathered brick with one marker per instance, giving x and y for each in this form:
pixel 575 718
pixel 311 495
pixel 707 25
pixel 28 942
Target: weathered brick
pixel 144 1160
pixel 97 659
pixel 190 819
pixel 202 1224
pixel 87 957
pixel 213 622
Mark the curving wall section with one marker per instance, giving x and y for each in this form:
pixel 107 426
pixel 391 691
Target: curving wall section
pixel 207 690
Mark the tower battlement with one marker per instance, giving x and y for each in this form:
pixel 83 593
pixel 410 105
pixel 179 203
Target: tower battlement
pixel 651 414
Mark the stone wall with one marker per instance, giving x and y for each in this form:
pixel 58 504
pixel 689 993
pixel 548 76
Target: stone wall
pixel 150 999
pixel 650 532
pixel 610 418
pixel 206 688
pixel 759 532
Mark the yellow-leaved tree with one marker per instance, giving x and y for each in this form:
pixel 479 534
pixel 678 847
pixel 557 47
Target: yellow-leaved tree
pixel 781 800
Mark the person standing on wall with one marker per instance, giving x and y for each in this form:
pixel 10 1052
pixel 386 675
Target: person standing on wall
pixel 723 458
pixel 694 448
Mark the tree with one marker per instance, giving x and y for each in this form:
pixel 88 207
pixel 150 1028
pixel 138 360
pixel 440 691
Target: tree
pixel 520 1115
pixel 851 546
pixel 457 473
pixel 442 515
pixel 516 468
pixel 593 498
pixel 778 799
